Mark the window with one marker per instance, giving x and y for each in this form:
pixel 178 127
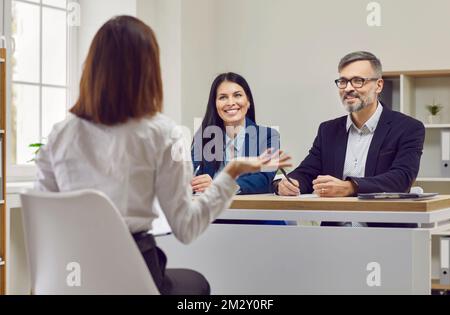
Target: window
pixel 41 48
pixel 2 25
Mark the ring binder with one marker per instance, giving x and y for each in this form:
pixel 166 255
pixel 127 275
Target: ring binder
pixel 445 147
pixel 445 261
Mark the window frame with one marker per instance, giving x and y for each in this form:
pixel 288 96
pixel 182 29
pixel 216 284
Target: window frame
pixel 18 172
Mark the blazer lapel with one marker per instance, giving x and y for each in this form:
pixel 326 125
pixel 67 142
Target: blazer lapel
pixel 384 125
pixel 341 149
pixel 251 138
pixel 209 169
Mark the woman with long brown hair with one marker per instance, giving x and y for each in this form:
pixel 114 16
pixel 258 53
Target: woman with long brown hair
pixel 118 142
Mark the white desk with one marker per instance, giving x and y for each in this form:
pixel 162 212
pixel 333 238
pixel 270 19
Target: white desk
pixel 315 260
pixel 289 259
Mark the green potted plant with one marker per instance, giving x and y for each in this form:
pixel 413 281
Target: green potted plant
pixel 36 147
pixel 434 110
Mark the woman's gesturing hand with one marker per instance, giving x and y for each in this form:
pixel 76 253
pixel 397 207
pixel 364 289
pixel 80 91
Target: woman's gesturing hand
pixel 269 161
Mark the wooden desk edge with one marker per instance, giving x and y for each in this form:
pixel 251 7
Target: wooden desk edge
pixel 435 285
pixel 266 202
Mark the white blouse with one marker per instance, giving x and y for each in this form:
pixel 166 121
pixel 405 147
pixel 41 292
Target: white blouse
pixel 133 164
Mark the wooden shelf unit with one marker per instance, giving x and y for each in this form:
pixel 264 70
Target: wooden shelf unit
pixel 409 92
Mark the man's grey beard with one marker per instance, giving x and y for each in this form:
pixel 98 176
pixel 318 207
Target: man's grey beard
pixel 355 109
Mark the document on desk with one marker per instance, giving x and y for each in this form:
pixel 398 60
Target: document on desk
pixel 306 196
pixel 393 196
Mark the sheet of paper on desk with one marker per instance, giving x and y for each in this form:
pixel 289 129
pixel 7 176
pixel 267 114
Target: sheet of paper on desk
pixel 308 196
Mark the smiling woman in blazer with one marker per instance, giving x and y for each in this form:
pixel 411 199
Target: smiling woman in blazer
pixel 228 131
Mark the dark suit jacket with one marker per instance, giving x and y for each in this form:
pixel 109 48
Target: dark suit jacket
pixel 392 163
pixel 255 144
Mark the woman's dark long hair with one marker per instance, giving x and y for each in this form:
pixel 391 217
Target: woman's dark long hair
pixel 212 117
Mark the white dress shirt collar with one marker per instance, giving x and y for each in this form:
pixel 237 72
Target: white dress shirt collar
pixel 371 125
pixel 239 140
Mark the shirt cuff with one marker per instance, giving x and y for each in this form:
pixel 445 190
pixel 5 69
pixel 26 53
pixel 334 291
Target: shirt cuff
pixel 227 183
pixel 275 184
pixel 355 184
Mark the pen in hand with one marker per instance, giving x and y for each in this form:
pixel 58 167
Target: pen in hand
pixel 287 177
pixel 197 170
pixel 195 175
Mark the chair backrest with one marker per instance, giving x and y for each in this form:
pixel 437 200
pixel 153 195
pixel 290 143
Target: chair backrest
pixel 78 243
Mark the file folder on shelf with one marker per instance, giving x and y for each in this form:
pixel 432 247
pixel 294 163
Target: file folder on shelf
pixel 445 261
pixel 445 147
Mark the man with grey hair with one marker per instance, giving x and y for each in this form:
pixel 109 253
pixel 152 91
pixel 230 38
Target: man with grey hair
pixel 349 93
pixel 371 150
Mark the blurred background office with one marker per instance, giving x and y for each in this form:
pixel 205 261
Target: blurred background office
pixel 288 50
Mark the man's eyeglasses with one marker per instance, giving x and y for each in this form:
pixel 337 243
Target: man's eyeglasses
pixel 356 82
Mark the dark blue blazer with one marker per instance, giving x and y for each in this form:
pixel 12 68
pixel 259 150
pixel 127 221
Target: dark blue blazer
pixel 254 145
pixel 393 160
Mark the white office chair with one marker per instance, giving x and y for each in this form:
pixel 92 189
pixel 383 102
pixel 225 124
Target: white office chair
pixel 64 231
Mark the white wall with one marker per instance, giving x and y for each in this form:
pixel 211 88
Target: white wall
pixel 199 59
pixel 164 16
pixel 185 32
pixel 289 51
pixel 94 13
